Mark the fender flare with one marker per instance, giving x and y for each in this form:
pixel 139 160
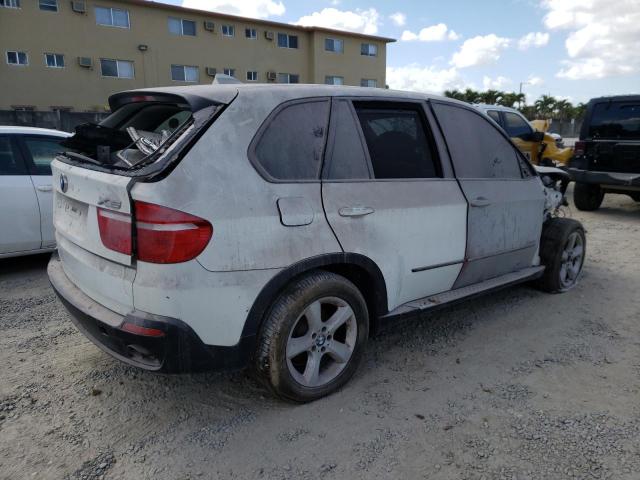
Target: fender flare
pixel 273 288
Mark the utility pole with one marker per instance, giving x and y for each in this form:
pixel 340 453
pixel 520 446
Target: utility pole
pixel 520 93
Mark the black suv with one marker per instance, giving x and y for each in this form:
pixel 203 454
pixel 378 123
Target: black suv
pixel 607 156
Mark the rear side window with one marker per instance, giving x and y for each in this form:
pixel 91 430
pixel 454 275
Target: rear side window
pixel 10 161
pixel 397 141
pixel 291 143
pixel 346 157
pixel 615 120
pixel 42 151
pixel 477 148
pixel 516 126
pixel 495 115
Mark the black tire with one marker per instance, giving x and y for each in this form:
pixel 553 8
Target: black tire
pixel 587 197
pixel 556 234
pixel 271 357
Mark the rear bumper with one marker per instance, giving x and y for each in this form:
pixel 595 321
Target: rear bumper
pixel 604 178
pixel 179 349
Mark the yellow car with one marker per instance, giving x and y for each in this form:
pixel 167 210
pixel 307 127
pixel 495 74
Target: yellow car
pixel 531 138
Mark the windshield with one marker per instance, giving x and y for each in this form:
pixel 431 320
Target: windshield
pixel 130 135
pixel 615 120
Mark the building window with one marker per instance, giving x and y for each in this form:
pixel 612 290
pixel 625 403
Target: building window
pixel 252 76
pixel 228 31
pixel 287 41
pixel 184 73
pixel 17 58
pixel 288 78
pixel 112 17
pixel 333 80
pixel 229 71
pixel 179 26
pixel 54 60
pixel 250 33
pixel 333 45
pixel 116 68
pixel 369 50
pixel 48 5
pixel 10 3
pixel 368 82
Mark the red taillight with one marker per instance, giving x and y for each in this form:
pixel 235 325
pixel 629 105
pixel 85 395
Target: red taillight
pixel 115 230
pixel 144 331
pixel 165 235
pixel 580 148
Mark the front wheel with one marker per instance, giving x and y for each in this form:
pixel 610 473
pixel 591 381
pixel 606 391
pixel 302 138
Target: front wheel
pixel 562 252
pixel 313 338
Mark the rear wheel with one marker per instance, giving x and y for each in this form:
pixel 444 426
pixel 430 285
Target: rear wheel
pixel 562 252
pixel 587 197
pixel 313 337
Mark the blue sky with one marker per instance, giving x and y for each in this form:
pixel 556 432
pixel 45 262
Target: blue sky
pixel 574 49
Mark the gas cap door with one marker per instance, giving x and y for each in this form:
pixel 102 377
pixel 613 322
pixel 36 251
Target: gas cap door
pixel 295 211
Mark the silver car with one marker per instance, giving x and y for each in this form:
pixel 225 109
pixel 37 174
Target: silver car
pixel 276 226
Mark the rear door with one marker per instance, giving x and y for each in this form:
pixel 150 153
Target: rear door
pixel 388 196
pixel 520 132
pixel 506 200
pixel 19 214
pixel 39 151
pixel 614 131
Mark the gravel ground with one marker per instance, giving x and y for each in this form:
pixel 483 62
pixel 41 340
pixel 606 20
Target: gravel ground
pixel 516 385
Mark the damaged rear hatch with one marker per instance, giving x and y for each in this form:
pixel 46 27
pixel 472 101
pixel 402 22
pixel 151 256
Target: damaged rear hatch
pixel 143 139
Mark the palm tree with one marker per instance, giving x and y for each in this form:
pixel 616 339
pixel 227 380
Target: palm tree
pixel 563 109
pixel 545 106
pixel 490 97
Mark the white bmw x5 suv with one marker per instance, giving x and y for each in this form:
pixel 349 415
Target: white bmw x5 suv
pixel 276 226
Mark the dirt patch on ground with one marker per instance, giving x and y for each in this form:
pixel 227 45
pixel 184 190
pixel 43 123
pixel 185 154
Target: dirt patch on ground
pixel 516 385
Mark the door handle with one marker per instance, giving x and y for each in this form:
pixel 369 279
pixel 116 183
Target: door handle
pixel 44 188
pixel 355 211
pixel 480 202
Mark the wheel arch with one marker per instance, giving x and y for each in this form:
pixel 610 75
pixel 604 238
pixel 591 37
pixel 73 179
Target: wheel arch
pixel 357 268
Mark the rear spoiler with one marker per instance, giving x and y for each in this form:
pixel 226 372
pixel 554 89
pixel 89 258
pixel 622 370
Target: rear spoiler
pixel 197 97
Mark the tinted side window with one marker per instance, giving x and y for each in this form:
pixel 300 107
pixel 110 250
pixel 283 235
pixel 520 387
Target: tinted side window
pixel 495 115
pixel 346 155
pixel 397 141
pixel 43 151
pixel 516 126
pixel 615 120
pixel 290 148
pixel 10 161
pixel 478 149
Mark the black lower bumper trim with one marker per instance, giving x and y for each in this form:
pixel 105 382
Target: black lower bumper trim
pixel 178 350
pixel 604 178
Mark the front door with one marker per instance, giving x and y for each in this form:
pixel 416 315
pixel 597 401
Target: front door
pixel 19 213
pixel 39 152
pixel 387 196
pixel 506 199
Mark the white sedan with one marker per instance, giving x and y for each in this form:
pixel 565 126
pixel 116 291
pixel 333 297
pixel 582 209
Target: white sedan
pixel 26 193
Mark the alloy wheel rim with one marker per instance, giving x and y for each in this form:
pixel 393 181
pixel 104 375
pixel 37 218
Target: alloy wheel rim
pixel 572 258
pixel 321 342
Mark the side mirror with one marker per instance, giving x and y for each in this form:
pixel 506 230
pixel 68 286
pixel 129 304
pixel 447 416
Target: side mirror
pixel 536 137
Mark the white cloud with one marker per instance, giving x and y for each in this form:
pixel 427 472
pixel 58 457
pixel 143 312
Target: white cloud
pixel 419 78
pixel 498 83
pixel 398 18
pixel 245 8
pixel 535 80
pixel 362 21
pixel 533 39
pixel 603 36
pixel 480 50
pixel 434 33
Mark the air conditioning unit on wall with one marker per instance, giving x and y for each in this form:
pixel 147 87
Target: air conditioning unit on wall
pixel 211 71
pixel 86 62
pixel 268 35
pixel 78 7
pixel 271 76
pixel 209 26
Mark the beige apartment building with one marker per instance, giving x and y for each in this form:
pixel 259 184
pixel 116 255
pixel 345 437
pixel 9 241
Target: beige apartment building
pixel 62 54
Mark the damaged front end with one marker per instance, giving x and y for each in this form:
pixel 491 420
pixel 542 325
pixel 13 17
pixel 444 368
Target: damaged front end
pixel 555 183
